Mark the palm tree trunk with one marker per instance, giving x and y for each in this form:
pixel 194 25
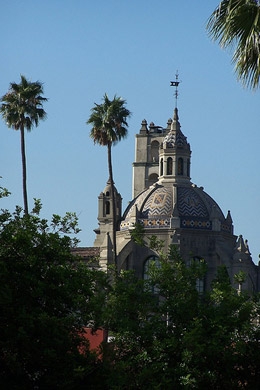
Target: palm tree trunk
pixel 24 171
pixel 113 204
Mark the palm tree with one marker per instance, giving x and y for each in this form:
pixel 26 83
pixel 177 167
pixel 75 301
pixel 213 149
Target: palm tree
pixel 109 126
pixel 21 109
pixel 236 23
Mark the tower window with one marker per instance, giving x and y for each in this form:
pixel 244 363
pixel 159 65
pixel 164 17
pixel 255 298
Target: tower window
pixel 180 166
pixel 155 151
pixel 107 193
pixel 169 166
pixel 161 167
pixel 107 207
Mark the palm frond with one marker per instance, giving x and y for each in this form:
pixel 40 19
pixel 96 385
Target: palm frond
pixel 22 105
pixel 236 24
pixel 109 121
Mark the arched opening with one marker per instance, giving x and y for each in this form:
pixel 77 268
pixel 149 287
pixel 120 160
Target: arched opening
pixel 147 265
pixel 155 151
pixel 169 166
pixel 151 261
pixel 180 166
pixel 200 282
pixel 161 167
pixel 188 167
pixel 107 207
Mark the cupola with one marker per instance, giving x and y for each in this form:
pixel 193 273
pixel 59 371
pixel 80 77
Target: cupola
pixel 105 211
pixel 174 155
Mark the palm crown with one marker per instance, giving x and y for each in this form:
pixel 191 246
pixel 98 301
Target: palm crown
pixel 109 121
pixel 237 23
pixel 22 105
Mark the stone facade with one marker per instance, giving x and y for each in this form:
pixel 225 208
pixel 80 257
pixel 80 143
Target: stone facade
pixel 170 206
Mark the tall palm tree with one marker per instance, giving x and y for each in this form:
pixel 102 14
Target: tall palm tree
pixel 109 126
pixel 236 24
pixel 22 109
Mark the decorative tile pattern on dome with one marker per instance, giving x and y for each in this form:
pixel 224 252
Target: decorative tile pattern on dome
pixel 125 225
pixel 136 202
pixel 158 204
pixel 190 204
pixel 173 139
pixel 226 228
pixel 155 223
pixel 210 203
pixel 196 223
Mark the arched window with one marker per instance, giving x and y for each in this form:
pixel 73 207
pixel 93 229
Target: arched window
pixel 161 167
pixel 107 193
pixel 180 166
pixel 149 262
pixel 155 151
pixel 169 166
pixel 107 207
pixel 188 167
pixel 147 265
pixel 200 282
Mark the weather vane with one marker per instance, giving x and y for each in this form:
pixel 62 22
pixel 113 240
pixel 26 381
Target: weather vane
pixel 176 84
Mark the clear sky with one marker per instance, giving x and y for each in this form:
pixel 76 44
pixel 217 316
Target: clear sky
pixel 82 49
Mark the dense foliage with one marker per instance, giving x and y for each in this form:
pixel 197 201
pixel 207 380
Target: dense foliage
pixel 47 297
pixel 167 335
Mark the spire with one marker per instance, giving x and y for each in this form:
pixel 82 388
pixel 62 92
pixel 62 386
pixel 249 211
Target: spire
pixel 175 125
pixel 175 137
pixel 174 154
pixel 229 218
pixel 240 245
pixel 175 115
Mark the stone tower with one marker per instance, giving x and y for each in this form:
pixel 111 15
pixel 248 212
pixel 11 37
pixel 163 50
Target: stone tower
pixel 105 221
pixel 145 167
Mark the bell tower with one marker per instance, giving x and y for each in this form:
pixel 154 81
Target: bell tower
pixel 105 221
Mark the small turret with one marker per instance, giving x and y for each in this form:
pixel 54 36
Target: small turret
pixel 175 154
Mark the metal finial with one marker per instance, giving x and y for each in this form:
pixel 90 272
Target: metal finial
pixel 176 84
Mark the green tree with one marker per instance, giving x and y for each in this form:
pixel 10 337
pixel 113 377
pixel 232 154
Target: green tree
pixel 109 126
pixel 3 191
pixel 147 319
pixel 47 298
pixel 165 334
pixel 221 349
pixel 22 109
pixel 240 278
pixel 236 24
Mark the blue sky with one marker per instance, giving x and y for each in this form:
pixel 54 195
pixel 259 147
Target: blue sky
pixel 82 49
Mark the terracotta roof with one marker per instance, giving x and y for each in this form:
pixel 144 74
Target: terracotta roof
pixel 86 252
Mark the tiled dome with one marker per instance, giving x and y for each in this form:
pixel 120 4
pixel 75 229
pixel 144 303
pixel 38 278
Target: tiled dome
pixel 157 205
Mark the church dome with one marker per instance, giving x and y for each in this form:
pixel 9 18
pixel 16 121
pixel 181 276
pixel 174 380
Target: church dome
pixel 162 205
pixel 174 201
